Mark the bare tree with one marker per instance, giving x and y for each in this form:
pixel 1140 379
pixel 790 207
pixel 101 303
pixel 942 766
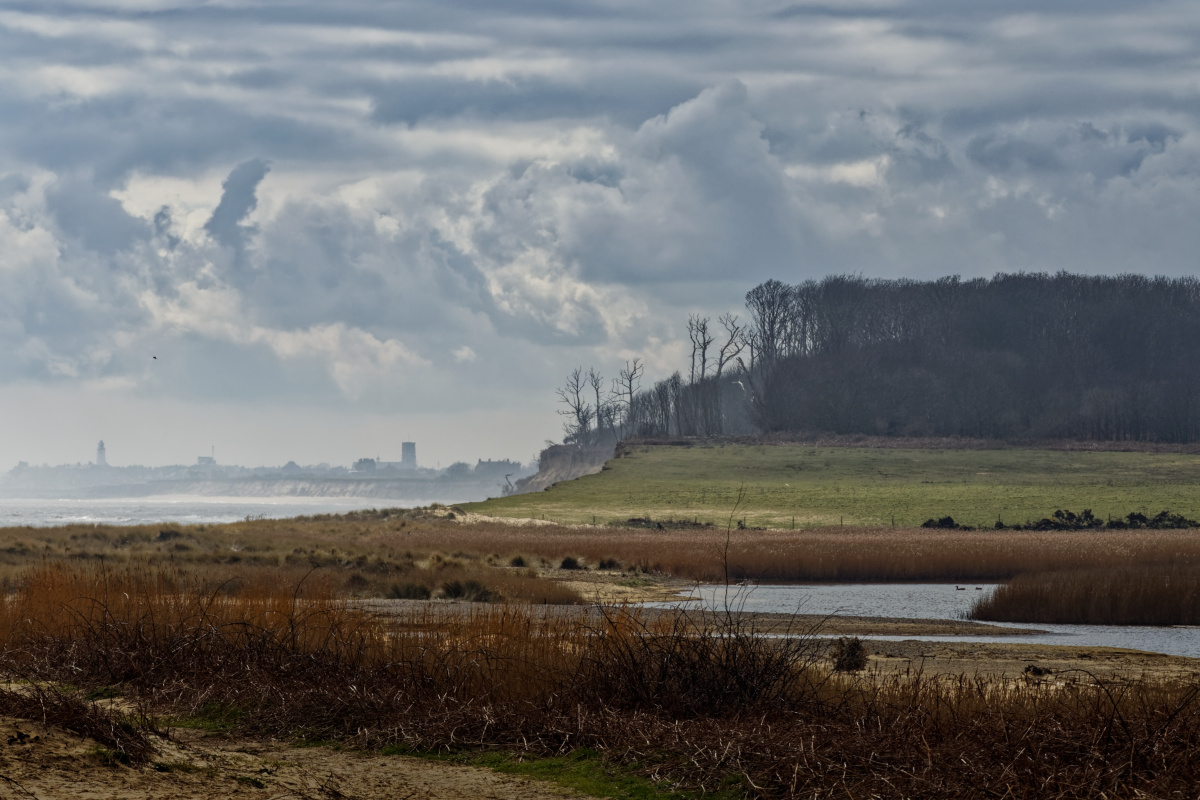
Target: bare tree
pixel 701 341
pixel 605 409
pixel 735 341
pixel 626 386
pixel 578 411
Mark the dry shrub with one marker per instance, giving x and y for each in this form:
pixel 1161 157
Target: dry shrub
pixel 849 654
pixel 124 735
pixel 300 657
pixel 1125 595
pixel 129 625
pixel 471 591
pixel 408 591
pixel 511 586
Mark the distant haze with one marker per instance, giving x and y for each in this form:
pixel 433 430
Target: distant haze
pixel 310 231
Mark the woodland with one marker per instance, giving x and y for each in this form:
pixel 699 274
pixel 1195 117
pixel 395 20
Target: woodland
pixel 1021 357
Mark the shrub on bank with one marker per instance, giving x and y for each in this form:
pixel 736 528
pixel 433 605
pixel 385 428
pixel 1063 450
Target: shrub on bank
pixel 471 591
pixel 408 591
pixel 849 654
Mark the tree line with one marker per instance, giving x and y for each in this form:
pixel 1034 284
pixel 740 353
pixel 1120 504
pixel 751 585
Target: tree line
pixel 709 400
pixel 1016 356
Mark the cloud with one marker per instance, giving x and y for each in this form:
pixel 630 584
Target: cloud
pixel 454 202
pixel 237 201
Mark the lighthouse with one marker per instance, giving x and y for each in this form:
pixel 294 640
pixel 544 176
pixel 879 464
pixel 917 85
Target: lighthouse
pixel 101 460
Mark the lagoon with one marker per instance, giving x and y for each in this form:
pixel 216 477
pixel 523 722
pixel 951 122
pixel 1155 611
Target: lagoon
pixel 935 601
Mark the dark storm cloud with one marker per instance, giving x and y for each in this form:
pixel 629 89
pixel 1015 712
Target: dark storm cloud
pixel 97 221
pixel 238 199
pixel 499 190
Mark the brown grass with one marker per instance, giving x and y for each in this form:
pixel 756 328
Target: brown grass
pixel 698 700
pixel 825 555
pixel 1122 595
pixel 358 555
pixel 366 554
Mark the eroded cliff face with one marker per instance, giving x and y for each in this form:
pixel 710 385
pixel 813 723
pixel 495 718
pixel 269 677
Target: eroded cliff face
pixel 564 462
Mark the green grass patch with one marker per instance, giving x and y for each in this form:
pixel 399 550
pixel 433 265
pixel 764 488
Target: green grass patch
pixel 102 693
pixel 212 717
pixel 583 770
pixel 812 487
pixel 108 757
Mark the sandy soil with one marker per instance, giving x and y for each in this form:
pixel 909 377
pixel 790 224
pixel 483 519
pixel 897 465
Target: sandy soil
pixel 49 763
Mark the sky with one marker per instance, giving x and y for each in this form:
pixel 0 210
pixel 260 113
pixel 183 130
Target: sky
pixel 302 230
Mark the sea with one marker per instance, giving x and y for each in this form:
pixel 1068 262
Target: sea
pixel 184 509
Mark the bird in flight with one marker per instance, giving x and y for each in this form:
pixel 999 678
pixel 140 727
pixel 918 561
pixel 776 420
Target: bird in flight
pixel 155 358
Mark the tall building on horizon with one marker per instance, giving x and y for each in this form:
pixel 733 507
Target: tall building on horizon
pixel 101 457
pixel 408 455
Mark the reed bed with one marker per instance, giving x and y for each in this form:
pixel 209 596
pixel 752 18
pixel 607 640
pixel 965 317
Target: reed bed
pixel 1123 595
pixel 368 553
pixel 824 555
pixel 698 701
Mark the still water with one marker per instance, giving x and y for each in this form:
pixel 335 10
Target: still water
pixel 938 601
pixel 184 509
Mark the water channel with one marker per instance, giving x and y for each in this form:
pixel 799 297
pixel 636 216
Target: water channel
pixel 936 601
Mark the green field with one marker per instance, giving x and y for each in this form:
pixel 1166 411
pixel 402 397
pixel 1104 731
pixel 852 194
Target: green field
pixel 862 486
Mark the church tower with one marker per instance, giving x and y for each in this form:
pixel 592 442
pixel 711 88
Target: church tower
pixel 101 460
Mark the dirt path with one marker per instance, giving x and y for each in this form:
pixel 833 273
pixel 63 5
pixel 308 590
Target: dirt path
pixel 40 762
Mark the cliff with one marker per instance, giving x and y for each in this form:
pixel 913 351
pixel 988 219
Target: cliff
pixel 564 462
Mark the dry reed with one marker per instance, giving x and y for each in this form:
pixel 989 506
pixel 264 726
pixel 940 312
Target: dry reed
pixel 1124 595
pixel 824 555
pixel 367 553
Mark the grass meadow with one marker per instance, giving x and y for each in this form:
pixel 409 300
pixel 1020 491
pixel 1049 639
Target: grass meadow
pixel 697 703
pixel 815 487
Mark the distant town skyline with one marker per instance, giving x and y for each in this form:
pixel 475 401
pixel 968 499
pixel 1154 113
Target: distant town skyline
pixel 372 464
